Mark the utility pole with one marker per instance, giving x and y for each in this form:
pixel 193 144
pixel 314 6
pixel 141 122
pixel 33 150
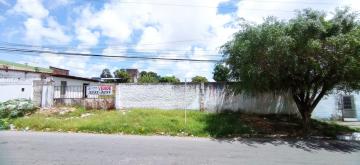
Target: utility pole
pixel 185 100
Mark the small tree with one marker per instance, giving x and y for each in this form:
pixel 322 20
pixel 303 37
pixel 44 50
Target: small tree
pixel 106 74
pixel 199 79
pixel 123 75
pixel 169 79
pixel 221 73
pixel 148 77
pixel 307 57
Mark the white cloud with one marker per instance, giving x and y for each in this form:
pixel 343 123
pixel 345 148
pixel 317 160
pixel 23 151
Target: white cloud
pixel 161 24
pixel 256 11
pixel 177 31
pixel 32 8
pixel 39 26
pixel 36 32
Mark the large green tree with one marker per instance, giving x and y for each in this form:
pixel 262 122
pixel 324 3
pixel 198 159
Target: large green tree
pixel 123 76
pixel 221 73
pixel 307 56
pixel 199 79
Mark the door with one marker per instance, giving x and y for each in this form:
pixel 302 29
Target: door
pixel 349 110
pixel 84 90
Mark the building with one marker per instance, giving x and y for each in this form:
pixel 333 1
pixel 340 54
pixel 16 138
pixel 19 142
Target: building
pixel 25 81
pixel 134 75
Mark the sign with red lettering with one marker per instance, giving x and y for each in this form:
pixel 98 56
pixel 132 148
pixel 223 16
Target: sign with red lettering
pixel 99 90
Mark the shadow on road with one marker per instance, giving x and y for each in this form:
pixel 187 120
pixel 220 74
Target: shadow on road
pixel 306 145
pixel 277 130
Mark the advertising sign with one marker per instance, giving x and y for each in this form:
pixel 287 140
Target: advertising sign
pixel 99 90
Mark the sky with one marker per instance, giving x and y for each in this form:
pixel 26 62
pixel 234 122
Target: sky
pixel 192 29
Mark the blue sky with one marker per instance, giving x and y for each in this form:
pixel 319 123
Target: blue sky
pixel 163 28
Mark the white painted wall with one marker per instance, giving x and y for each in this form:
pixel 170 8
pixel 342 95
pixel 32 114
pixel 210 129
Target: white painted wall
pixel 165 96
pixel 12 82
pixel 74 87
pixel 327 107
pixel 215 98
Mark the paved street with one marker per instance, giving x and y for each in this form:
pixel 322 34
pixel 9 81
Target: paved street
pixel 65 148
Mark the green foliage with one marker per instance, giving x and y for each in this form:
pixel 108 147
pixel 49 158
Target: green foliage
pixel 199 79
pixel 106 74
pixel 148 77
pixel 169 79
pixel 221 73
pixel 16 108
pixel 307 56
pixel 4 123
pixel 123 75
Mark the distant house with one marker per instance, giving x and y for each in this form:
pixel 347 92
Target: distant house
pixel 134 75
pixel 22 81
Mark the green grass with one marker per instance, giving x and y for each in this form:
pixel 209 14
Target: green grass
pixel 162 122
pixel 137 121
pixel 331 128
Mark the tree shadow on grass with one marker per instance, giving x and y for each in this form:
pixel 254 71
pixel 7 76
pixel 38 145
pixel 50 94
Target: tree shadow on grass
pixel 255 130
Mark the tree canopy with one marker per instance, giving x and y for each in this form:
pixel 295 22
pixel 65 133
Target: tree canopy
pixel 148 77
pixel 221 73
pixel 106 74
pixel 199 79
pixel 123 75
pixel 169 79
pixel 307 56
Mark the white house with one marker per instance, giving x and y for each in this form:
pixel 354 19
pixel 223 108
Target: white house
pixel 339 106
pixel 24 81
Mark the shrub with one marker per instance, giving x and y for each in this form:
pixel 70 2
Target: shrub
pixel 16 108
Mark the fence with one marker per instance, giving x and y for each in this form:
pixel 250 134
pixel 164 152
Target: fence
pixel 212 97
pixel 71 92
pixel 78 95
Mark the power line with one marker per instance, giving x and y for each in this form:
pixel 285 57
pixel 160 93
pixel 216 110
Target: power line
pixel 118 50
pixel 5 49
pixel 219 7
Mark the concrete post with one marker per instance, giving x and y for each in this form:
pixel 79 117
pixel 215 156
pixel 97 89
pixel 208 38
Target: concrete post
pixel 201 98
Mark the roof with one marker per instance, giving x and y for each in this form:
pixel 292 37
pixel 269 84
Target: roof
pixel 75 77
pixel 22 67
pixel 6 65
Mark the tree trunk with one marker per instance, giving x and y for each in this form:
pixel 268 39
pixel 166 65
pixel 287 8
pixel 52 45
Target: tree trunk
pixel 305 112
pixel 306 120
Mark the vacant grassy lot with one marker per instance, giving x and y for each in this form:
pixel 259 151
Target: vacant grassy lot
pixel 150 122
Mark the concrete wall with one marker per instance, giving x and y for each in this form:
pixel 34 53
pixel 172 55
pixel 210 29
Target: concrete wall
pixel 14 84
pixel 211 97
pixel 328 106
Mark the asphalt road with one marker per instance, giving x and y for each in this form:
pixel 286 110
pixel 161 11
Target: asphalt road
pixel 67 148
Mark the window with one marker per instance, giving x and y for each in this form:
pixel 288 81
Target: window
pixel 347 102
pixel 22 89
pixel 63 87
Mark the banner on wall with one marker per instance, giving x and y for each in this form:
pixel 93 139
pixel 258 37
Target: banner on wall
pixel 99 90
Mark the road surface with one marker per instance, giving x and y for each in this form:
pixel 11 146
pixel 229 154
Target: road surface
pixel 88 149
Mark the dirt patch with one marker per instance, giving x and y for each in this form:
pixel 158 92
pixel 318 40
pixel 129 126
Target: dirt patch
pixel 56 110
